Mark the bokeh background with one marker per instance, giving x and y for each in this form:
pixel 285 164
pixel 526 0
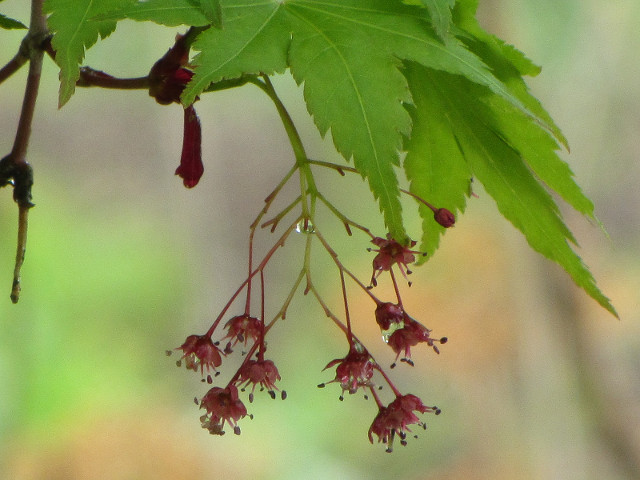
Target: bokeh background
pixel 537 381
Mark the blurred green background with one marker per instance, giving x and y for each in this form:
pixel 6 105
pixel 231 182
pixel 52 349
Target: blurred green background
pixel 537 381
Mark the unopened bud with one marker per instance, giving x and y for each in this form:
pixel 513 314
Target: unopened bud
pixel 444 217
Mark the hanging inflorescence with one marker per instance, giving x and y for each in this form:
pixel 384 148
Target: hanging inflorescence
pixel 357 370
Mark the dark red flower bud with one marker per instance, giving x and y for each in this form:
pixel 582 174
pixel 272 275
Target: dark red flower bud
pixel 191 167
pixel 444 217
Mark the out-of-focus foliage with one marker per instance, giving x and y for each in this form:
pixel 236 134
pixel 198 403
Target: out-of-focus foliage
pixel 536 381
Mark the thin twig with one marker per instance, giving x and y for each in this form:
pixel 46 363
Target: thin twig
pixel 90 77
pixel 16 62
pixel 14 168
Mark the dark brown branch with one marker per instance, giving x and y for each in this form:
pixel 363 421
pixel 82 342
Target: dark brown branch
pixel 14 168
pixel 95 78
pixel 16 62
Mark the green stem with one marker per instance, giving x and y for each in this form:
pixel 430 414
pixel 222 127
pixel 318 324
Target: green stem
pixel 307 182
pixel 334 166
pixel 346 221
pixel 275 220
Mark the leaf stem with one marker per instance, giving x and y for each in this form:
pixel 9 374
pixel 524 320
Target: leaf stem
pixel 419 199
pixel 90 77
pixel 307 182
pixel 339 264
pixel 347 316
pixel 346 221
pixel 339 168
pixel 275 220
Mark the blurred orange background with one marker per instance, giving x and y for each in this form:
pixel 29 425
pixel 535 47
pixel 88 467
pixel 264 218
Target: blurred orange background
pixel 536 382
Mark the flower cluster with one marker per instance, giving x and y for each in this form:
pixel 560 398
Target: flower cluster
pixel 357 371
pixel 396 417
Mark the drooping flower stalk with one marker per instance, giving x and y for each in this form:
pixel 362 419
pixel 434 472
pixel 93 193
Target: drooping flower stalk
pixel 355 371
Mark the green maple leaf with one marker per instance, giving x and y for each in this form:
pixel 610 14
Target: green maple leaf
pixel 354 44
pixel 347 60
pixel 440 12
pixel 497 146
pixel 74 30
pixel 9 23
pixel 170 13
pixel 384 75
pixel 213 11
pixel 255 39
pixel 506 61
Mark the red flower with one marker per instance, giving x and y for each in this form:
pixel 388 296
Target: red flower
pixel 222 405
pixel 242 328
pixel 199 350
pixel 259 372
pixel 389 313
pixel 353 371
pixel 391 252
pixel 412 333
pixel 191 167
pixel 395 418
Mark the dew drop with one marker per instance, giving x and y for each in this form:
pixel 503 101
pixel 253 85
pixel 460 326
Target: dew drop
pixel 305 226
pixel 395 326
